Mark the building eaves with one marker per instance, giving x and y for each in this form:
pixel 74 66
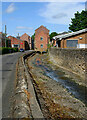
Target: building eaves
pixel 69 34
pixel 15 38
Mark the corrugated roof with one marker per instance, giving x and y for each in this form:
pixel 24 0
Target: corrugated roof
pixel 69 34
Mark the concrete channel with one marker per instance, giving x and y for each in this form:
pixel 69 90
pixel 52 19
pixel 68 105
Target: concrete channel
pixel 25 101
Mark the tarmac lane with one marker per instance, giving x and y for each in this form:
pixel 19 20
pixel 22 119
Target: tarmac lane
pixel 8 82
pixel 0 86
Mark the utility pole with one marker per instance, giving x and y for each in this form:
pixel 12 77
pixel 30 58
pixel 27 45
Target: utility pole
pixel 5 34
pixel 5 30
pixel 19 42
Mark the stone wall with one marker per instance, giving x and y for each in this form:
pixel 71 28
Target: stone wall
pixel 74 60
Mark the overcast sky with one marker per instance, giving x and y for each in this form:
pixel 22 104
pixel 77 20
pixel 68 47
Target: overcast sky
pixel 25 17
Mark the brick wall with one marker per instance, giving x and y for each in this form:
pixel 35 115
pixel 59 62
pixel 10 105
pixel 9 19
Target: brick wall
pixel 4 41
pixel 44 33
pixel 15 41
pixel 76 37
pixel 74 60
pixel 38 41
pixel 26 37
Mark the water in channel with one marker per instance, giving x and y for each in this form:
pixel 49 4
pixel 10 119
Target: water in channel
pixel 78 91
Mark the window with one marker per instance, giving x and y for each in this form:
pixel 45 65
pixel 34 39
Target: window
pixel 41 45
pixel 41 38
pixel 72 43
pixel 16 46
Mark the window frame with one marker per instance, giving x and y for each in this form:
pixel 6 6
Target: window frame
pixel 41 37
pixel 41 45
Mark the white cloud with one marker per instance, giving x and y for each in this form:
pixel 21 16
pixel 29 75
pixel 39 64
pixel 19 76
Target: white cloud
pixel 24 28
pixel 11 8
pixel 60 13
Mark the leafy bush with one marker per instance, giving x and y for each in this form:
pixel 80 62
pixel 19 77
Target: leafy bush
pixel 6 50
pixel 48 46
pixel 0 50
pixel 15 49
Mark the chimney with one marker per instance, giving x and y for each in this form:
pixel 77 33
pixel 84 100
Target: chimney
pixel 18 36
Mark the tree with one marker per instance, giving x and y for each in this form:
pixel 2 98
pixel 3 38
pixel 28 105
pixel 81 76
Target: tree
pixel 79 22
pixel 3 35
pixel 32 40
pixel 33 36
pixel 52 35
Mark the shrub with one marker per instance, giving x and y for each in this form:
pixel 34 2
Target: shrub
pixel 48 46
pixel 15 49
pixel 0 50
pixel 6 50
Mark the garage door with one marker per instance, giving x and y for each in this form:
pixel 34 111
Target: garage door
pixel 72 43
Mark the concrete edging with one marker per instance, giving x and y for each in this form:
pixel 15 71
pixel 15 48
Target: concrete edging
pixel 27 105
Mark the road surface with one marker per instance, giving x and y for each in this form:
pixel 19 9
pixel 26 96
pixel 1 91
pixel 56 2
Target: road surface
pixel 7 81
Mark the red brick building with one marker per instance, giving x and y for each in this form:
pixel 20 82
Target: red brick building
pixel 4 41
pixel 76 39
pixel 18 43
pixel 41 38
pixel 26 37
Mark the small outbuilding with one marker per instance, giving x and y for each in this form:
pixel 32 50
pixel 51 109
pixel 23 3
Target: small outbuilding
pixel 76 39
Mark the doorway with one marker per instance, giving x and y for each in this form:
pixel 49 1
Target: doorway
pixel 59 43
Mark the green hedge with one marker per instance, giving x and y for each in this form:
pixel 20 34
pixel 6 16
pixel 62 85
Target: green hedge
pixel 6 50
pixel 0 50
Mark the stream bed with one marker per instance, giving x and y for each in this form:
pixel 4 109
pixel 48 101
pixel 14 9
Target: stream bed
pixel 64 92
pixel 73 88
pixel 69 83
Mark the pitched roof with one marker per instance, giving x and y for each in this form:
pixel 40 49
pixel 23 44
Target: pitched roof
pixel 0 32
pixel 14 38
pixel 70 34
pixel 25 34
pixel 42 27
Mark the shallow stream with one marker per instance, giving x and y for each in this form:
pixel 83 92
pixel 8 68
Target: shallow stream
pixel 76 90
